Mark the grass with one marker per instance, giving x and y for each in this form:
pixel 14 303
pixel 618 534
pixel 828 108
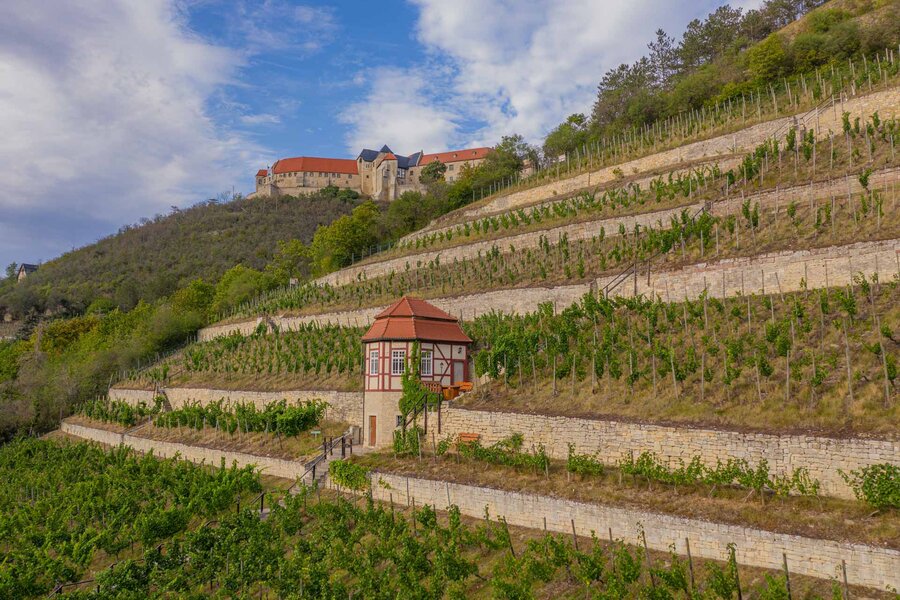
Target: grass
pixel 826 518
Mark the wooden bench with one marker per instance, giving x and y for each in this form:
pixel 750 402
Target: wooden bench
pixel 467 438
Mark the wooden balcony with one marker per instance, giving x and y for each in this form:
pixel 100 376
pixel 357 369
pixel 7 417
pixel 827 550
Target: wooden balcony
pixel 448 392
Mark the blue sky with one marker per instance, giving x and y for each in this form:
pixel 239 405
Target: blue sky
pixel 114 110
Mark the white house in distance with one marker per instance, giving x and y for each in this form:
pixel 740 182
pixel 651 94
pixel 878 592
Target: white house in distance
pixel 25 270
pixel 444 360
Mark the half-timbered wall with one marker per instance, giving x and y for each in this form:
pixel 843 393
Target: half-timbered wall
pixel 446 359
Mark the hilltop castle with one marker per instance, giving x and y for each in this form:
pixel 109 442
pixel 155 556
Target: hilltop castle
pixel 380 174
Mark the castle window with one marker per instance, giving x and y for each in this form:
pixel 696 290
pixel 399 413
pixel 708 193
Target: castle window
pixel 398 362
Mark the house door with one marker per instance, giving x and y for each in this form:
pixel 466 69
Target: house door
pixel 371 430
pixel 459 371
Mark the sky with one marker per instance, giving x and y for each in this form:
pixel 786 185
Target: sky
pixel 116 110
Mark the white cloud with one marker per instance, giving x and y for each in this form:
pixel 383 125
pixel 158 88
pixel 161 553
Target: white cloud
pixel 513 66
pixel 400 110
pixel 104 117
pixel 284 26
pixel 260 119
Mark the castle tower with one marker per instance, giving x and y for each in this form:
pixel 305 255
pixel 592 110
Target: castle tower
pixel 443 358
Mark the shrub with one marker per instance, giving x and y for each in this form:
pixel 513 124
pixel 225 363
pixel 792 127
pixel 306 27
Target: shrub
pixel 877 485
pixel 767 60
pixel 583 464
pixel 349 475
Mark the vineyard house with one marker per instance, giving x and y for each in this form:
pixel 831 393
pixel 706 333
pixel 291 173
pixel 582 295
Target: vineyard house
pixel 388 345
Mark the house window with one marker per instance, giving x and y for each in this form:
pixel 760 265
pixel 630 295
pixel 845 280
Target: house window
pixel 425 363
pixel 398 362
pixel 373 362
pixel 450 167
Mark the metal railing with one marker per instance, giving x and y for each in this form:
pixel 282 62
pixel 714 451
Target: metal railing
pixel 328 448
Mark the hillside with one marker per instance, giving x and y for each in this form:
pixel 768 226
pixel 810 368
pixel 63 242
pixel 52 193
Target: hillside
pixel 160 255
pixel 682 380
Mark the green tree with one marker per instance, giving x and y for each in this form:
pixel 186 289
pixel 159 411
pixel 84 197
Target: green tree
pixel 432 172
pixel 409 212
pixel 333 246
pixel 11 270
pixel 291 261
pixel 768 59
pixel 238 285
pixel 196 297
pixel 507 158
pixel 567 136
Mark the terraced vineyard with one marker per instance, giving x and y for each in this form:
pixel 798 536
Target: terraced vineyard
pixel 808 368
pixel 770 362
pixel 739 228
pixel 311 357
pixel 315 545
pixel 683 241
pixel 67 507
pixel 790 96
pixel 849 152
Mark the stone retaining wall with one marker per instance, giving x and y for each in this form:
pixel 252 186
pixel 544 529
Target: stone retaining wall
pixel 778 272
pixel 614 440
pixel 243 327
pixel 866 565
pixel 770 202
pixel 346 407
pixel 288 469
pixel 762 274
pixel 132 397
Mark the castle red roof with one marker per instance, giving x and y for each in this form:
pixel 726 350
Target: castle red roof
pixel 455 155
pixel 389 156
pixel 262 173
pixel 312 164
pixel 414 319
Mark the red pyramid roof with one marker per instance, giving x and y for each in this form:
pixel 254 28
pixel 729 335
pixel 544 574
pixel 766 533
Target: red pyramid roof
pixel 262 173
pixel 415 307
pixel 414 319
